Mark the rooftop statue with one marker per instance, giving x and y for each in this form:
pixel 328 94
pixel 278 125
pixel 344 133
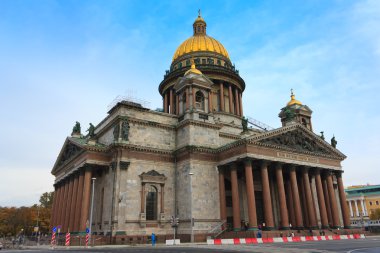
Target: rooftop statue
pixel 333 142
pixel 76 128
pixel 91 130
pixel 322 135
pixel 244 123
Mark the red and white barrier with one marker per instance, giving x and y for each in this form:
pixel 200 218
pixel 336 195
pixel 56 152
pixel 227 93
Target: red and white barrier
pixel 53 239
pixel 67 241
pixel 87 239
pixel 283 239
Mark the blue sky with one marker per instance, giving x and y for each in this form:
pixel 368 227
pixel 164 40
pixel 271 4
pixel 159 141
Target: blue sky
pixel 63 61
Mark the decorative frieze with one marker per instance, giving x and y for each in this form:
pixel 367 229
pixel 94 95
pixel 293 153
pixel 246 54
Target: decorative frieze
pixel 297 157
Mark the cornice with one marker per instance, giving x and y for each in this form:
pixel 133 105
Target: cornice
pixel 127 146
pixel 187 122
pixel 151 123
pixel 229 136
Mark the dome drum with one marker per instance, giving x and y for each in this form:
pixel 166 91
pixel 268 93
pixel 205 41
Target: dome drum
pixel 216 72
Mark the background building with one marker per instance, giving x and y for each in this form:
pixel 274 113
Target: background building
pixel 199 160
pixel 362 200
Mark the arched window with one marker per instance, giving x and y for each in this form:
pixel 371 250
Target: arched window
pixel 304 122
pixel 199 100
pixel 151 203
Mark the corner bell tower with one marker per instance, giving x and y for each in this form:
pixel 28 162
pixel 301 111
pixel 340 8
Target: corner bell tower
pixel 295 111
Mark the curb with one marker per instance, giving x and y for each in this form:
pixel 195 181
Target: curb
pixel 237 241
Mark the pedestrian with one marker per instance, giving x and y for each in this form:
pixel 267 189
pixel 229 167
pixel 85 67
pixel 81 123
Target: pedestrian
pixel 292 234
pixel 153 237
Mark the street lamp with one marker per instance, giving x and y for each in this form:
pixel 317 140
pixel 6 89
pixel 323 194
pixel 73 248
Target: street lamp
pixel 37 230
pixel 191 203
pixel 92 206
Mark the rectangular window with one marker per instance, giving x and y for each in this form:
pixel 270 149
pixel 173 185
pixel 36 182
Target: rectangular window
pixel 370 203
pixel 377 202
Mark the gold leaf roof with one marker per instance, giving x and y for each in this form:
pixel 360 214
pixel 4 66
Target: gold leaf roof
pixel 200 42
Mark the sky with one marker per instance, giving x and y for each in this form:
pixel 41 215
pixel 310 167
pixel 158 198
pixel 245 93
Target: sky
pixel 66 61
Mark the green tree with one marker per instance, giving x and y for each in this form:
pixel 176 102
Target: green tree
pixel 46 199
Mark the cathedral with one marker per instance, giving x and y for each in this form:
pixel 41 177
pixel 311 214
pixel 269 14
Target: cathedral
pixel 198 161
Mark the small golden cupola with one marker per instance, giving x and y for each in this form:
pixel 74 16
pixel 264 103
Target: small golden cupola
pixel 296 112
pixel 293 99
pixel 199 25
pixel 193 69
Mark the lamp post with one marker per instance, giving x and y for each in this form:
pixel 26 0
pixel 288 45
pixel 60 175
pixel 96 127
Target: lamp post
pixel 92 206
pixel 37 228
pixel 192 218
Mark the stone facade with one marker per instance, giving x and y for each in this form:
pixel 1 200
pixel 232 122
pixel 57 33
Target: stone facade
pixel 197 161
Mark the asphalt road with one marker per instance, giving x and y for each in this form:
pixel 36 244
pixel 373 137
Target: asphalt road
pixel 369 245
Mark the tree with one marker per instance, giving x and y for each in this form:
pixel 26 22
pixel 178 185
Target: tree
pixel 46 199
pixel 15 219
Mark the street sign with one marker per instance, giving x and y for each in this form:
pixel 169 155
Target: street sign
pixel 87 230
pixel 54 229
pixel 35 229
pixel 174 221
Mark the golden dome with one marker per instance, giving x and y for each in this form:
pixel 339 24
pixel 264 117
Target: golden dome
pixel 200 42
pixel 293 100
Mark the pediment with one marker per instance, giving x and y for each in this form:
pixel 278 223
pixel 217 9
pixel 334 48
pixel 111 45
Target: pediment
pixel 69 151
pixel 297 138
pixel 193 79
pixel 152 176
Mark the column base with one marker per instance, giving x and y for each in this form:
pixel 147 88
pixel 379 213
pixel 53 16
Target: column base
pixel 334 227
pixel 237 229
pixel 347 227
pixel 313 227
pixel 253 229
pixel 298 228
pixel 325 227
pixel 284 228
pixel 269 228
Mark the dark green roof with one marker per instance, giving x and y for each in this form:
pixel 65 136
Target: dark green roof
pixel 364 190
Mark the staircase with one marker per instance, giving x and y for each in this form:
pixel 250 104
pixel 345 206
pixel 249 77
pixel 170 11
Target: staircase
pixel 218 229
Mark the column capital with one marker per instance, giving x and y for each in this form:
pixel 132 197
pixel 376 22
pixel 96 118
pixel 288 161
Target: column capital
pixel 291 167
pixel 328 172
pixel 264 163
pixel 248 161
pixel 221 169
pixel 233 166
pixel 278 165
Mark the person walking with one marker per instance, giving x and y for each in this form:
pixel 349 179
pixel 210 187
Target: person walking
pixel 153 237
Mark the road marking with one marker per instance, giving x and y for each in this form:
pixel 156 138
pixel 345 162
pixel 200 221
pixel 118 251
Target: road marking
pixel 350 251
